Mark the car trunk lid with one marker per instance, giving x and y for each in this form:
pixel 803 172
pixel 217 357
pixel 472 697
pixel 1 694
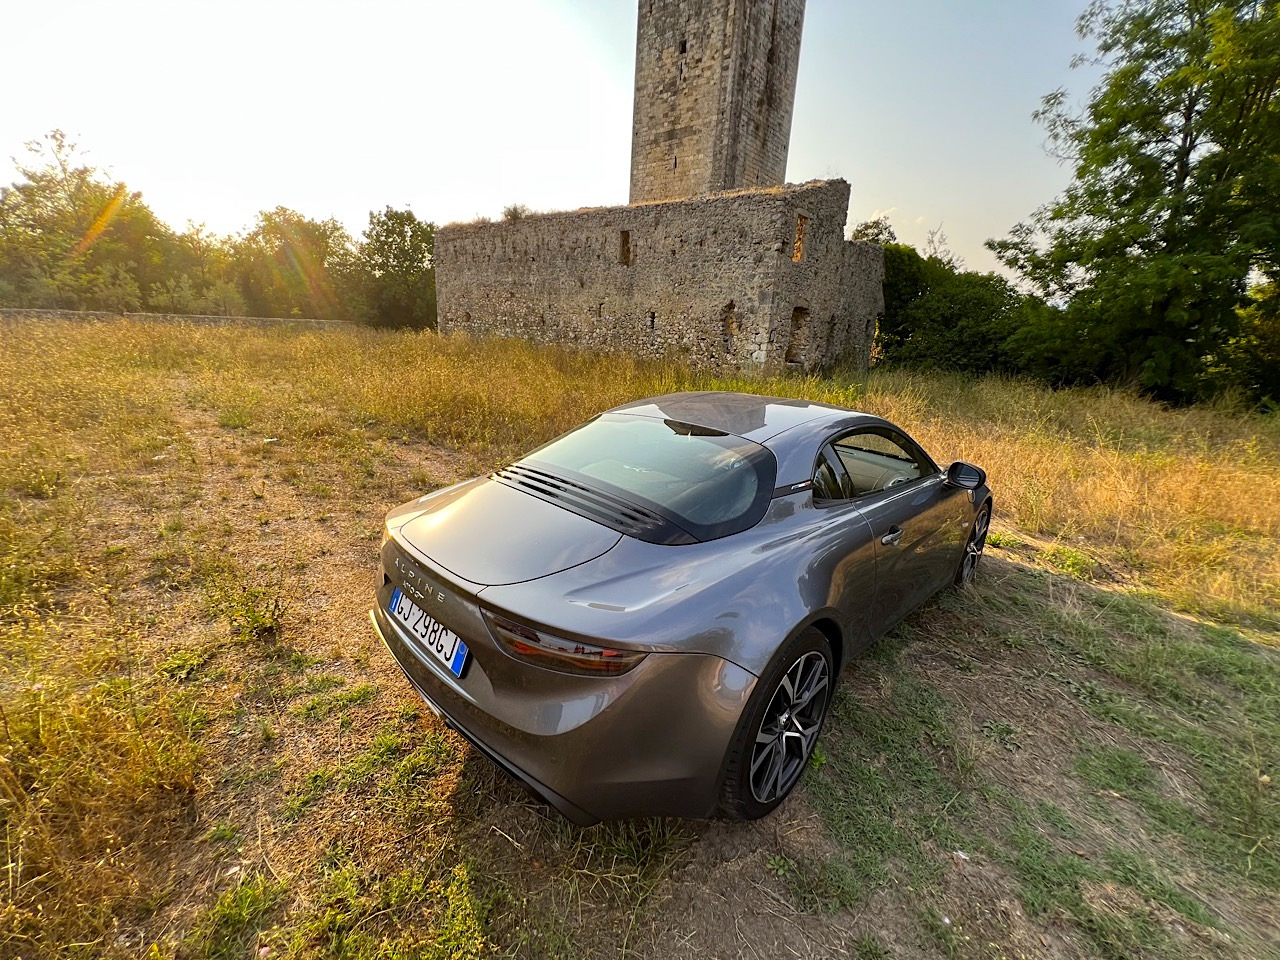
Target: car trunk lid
pixel 493 534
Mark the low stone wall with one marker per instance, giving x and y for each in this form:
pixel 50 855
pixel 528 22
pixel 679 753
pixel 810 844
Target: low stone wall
pixel 103 316
pixel 751 280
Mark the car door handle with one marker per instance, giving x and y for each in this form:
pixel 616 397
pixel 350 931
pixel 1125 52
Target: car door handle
pixel 891 538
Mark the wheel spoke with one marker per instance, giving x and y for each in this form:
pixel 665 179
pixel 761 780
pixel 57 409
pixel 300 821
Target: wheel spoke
pixel 787 687
pixel 762 755
pixel 980 528
pixel 809 733
pixel 776 770
pixel 765 771
pixel 816 686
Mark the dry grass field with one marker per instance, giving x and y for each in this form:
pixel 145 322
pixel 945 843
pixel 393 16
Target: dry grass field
pixel 206 754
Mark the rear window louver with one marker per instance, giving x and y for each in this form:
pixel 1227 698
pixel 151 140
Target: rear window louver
pixel 604 508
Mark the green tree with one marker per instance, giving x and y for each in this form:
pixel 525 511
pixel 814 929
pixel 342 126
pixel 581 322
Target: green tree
pixel 71 239
pixel 878 231
pixel 290 266
pixel 175 295
pixel 905 281
pixel 396 267
pixel 938 315
pixel 1249 363
pixel 222 298
pixel 1172 204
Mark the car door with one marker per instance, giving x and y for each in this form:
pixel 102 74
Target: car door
pixel 843 557
pixel 916 520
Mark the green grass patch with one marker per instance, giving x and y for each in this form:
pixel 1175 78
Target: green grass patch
pixel 1210 694
pixel 230 929
pixel 1069 560
pixel 365 915
pixel 891 787
pixel 1141 874
pixel 222 833
pixel 1115 768
pixel 183 664
pixel 326 704
pixel 397 771
pixel 870 947
pixel 313 786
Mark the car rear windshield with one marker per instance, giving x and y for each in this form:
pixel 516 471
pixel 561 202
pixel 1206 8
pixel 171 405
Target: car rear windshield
pixel 707 483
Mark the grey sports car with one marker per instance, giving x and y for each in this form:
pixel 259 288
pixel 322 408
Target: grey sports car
pixel 647 615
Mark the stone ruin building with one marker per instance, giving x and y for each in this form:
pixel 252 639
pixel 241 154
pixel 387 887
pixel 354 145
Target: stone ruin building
pixel 714 259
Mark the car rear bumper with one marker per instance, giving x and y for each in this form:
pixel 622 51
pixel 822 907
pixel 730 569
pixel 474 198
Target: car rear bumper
pixel 397 650
pixel 656 752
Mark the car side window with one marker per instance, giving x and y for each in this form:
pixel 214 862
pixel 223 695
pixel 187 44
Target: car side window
pixel 877 458
pixel 829 480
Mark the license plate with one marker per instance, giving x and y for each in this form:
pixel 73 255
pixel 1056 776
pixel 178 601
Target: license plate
pixel 443 644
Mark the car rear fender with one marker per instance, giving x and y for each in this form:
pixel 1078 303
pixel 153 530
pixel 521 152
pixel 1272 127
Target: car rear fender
pixel 738 598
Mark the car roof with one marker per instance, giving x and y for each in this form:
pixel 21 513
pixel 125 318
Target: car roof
pixel 747 415
pixel 792 429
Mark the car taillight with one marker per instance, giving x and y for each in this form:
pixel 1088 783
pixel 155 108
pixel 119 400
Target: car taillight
pixel 556 653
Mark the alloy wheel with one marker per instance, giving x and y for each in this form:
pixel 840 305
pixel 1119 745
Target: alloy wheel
pixel 973 550
pixel 790 728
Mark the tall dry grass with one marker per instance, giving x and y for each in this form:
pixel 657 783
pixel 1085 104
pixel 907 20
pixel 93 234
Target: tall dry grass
pixel 97 757
pixel 1182 502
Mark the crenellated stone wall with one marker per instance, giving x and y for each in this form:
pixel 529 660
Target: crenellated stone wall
pixel 750 280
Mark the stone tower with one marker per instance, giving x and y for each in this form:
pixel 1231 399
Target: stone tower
pixel 714 259
pixel 715 87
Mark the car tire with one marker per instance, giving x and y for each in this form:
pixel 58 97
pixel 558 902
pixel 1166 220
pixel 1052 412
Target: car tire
pixel 968 568
pixel 780 727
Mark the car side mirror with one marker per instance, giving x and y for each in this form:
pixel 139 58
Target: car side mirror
pixel 965 476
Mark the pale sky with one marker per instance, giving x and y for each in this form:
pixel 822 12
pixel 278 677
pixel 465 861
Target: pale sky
pixel 216 110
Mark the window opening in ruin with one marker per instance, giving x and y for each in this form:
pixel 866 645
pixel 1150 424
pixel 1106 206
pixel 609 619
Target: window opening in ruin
pixel 799 335
pixel 674 162
pixel 653 319
pixel 684 46
pixel 600 309
pixel 797 249
pixel 624 248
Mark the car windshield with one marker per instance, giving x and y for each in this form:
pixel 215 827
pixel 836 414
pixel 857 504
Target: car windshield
pixel 710 484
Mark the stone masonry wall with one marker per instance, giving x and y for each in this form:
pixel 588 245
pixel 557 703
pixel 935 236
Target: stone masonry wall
pixel 715 87
pixel 741 280
pixel 759 94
